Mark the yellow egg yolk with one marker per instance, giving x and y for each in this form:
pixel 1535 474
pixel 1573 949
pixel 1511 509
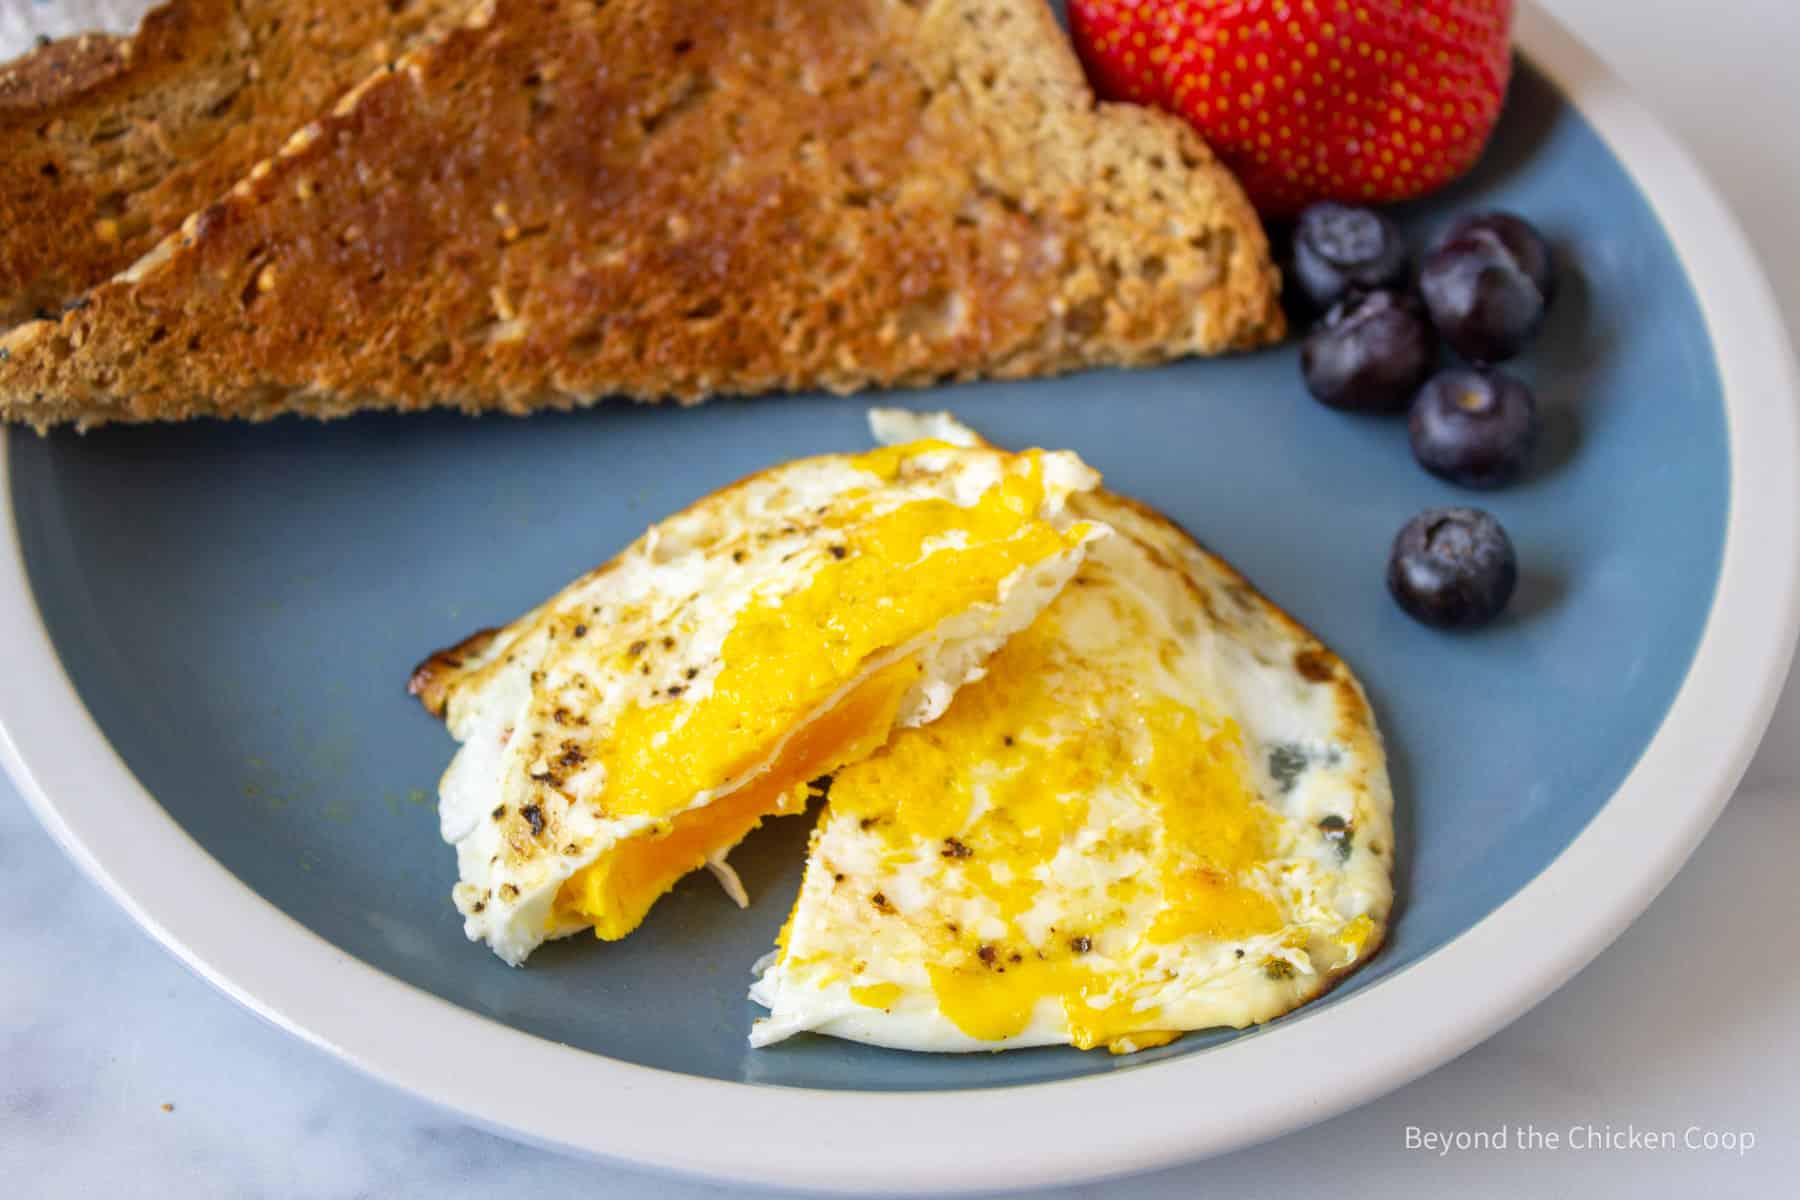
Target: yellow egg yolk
pixel 886 463
pixel 885 578
pixel 1354 936
pixel 1002 783
pixel 876 995
pixel 615 892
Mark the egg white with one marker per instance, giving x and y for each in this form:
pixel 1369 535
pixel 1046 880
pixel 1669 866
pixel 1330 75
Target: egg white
pixel 678 591
pixel 1313 754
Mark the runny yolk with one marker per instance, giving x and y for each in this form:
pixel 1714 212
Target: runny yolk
pixel 876 995
pixel 1214 829
pixel 1004 782
pixel 1206 901
pixel 885 463
pixel 616 891
pixel 890 576
pixel 992 1003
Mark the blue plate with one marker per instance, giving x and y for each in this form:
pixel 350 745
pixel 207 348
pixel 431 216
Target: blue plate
pixel 240 608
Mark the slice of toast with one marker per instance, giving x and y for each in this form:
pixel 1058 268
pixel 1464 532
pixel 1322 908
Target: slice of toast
pixel 106 143
pixel 569 199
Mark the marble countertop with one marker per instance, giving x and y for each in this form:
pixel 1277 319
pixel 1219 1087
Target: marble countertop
pixel 122 1074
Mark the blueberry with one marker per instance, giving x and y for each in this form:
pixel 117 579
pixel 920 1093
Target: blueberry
pixel 1453 568
pixel 1474 428
pixel 1487 286
pixel 1369 353
pixel 1337 248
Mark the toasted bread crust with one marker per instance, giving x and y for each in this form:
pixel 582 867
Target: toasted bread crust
pixel 106 143
pixel 60 72
pixel 676 198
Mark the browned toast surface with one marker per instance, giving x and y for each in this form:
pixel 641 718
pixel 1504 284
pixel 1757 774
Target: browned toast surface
pixel 106 143
pixel 566 200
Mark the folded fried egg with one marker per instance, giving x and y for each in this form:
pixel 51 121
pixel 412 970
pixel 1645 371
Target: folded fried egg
pixel 649 716
pixel 1165 807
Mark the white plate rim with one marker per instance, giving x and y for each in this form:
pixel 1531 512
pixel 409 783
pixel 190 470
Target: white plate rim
pixel 1048 1133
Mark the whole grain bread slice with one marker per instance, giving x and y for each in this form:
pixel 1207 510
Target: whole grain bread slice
pixel 106 143
pixel 569 199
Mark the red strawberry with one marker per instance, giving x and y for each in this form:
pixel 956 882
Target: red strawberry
pixel 1365 101
pixel 1114 39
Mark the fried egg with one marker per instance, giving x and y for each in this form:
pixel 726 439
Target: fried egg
pixel 638 725
pixel 1165 807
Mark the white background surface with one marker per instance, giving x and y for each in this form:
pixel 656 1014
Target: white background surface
pixel 1690 1020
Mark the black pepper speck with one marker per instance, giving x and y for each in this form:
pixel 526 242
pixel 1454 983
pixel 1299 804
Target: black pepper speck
pixel 1339 833
pixel 1286 764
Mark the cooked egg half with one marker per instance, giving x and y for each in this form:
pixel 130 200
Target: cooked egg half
pixel 649 716
pixel 1165 807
